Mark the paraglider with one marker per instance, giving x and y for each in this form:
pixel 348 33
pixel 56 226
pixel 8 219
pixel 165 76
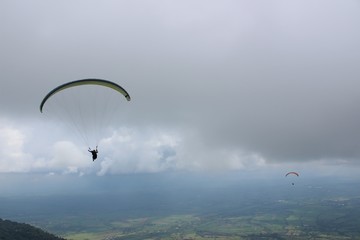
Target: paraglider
pixel 292 173
pixel 94 153
pixel 86 107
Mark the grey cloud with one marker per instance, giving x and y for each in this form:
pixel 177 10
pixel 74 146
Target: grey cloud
pixel 276 78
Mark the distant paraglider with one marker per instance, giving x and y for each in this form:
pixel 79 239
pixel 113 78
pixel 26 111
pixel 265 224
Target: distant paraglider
pixel 292 173
pixel 295 173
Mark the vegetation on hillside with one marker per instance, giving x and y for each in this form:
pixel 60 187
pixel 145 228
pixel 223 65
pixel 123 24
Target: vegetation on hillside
pixel 10 230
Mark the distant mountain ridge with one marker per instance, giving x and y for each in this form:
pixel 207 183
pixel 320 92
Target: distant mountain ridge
pixel 10 230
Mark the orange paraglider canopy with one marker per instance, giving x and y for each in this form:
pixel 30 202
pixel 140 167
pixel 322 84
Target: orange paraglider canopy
pixel 295 173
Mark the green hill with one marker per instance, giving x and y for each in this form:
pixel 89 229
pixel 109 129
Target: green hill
pixel 20 231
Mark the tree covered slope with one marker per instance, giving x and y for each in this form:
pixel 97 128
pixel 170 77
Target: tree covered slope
pixel 20 231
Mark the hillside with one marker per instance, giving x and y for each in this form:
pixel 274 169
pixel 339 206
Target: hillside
pixel 20 231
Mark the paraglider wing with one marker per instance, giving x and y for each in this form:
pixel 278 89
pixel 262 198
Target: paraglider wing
pixel 295 173
pixel 90 81
pixel 87 107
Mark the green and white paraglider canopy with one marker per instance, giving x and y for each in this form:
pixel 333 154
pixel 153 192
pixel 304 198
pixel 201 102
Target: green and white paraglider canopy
pixel 89 81
pixel 86 107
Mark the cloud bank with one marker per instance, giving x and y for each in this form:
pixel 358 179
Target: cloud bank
pixel 214 85
pixel 125 151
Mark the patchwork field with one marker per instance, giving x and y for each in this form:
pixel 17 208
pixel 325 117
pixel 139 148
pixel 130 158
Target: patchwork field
pixel 331 219
pixel 155 210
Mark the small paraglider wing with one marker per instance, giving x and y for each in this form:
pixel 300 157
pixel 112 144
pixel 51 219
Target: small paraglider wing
pixel 294 173
pixel 90 81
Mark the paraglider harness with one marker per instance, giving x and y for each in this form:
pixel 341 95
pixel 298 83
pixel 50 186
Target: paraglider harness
pixel 94 153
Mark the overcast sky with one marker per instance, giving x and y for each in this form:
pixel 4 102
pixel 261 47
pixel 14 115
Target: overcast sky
pixel 215 85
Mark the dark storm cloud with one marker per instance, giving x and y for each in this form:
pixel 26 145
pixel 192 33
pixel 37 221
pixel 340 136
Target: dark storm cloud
pixel 277 78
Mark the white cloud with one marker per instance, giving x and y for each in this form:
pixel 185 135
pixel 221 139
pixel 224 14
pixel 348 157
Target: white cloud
pixel 156 151
pixel 64 157
pixel 68 158
pixel 138 151
pixel 12 155
pixel 194 154
pixel 134 150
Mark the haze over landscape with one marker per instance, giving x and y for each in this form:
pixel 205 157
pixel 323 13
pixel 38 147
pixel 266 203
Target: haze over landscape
pixel 226 98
